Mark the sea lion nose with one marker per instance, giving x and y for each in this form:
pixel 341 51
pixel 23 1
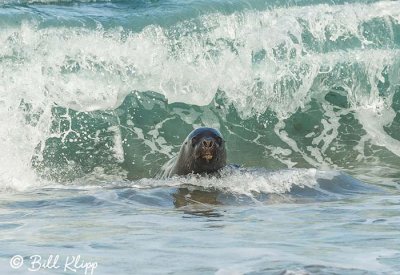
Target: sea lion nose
pixel 208 142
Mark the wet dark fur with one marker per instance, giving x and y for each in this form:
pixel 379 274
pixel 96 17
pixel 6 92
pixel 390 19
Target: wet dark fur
pixel 203 151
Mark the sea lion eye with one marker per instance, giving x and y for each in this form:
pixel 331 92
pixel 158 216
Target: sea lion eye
pixel 219 140
pixel 194 141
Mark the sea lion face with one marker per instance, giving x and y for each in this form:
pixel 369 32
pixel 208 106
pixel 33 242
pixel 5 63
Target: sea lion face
pixel 203 151
pixel 208 149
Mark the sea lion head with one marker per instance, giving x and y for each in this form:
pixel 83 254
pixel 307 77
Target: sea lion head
pixel 207 148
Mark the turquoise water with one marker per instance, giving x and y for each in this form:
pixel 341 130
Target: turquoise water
pixel 95 96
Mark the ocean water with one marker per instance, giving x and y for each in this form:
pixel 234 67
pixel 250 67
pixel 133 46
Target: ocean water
pixel 95 96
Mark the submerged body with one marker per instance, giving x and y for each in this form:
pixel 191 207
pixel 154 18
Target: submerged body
pixel 203 151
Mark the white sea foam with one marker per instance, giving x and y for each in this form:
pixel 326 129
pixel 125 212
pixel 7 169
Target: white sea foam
pixel 246 181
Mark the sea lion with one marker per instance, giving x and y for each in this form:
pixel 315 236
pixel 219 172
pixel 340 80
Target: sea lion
pixel 203 151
